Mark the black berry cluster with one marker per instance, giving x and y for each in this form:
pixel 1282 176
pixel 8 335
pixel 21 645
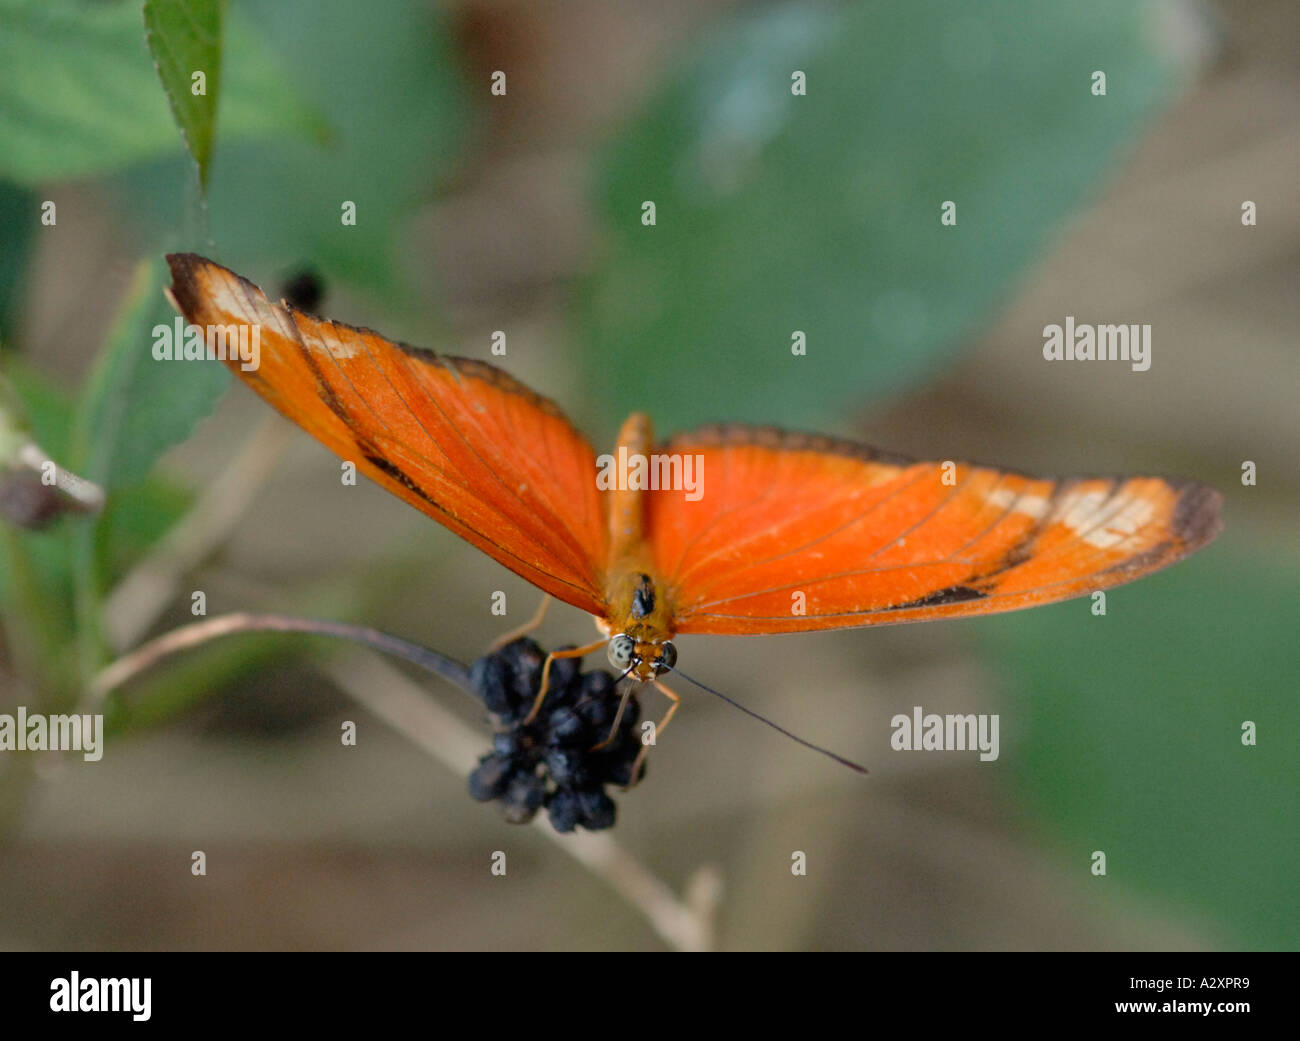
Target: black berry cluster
pixel 552 761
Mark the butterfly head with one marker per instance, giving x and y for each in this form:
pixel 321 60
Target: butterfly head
pixel 641 658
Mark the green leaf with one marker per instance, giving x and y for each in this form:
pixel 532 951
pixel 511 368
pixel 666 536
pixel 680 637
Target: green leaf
pixel 385 76
pixel 79 94
pixel 34 614
pixel 779 213
pixel 41 573
pixel 15 428
pixel 134 523
pixel 135 407
pixel 20 213
pixel 43 409
pixel 36 585
pixel 184 37
pixel 132 409
pixel 1124 733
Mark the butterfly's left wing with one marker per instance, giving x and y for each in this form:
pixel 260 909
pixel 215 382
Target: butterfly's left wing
pixel 457 439
pixel 792 533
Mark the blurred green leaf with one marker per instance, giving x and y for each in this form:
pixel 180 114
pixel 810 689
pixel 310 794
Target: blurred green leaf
pixel 184 37
pixel 34 623
pixel 41 573
pixel 134 407
pixel 1130 728
pixel 45 406
pixel 385 75
pixel 15 428
pixel 821 213
pixel 133 523
pixel 19 217
pixel 36 587
pixel 79 95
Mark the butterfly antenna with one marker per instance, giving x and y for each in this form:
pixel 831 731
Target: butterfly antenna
pixel 780 729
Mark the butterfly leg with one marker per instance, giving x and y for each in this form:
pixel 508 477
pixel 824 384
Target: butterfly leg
pixel 524 629
pixel 573 652
pixel 663 725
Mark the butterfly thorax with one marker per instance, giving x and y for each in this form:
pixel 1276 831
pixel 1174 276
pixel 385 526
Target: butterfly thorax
pixel 638 605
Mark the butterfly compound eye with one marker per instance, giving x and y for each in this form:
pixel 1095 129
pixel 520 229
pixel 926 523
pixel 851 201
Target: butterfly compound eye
pixel 621 650
pixel 667 656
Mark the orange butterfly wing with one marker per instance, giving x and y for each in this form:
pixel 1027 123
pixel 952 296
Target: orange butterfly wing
pixel 871 539
pixel 457 439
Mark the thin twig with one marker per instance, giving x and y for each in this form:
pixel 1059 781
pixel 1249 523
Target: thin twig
pixel 187 636
pixel 81 494
pixel 686 925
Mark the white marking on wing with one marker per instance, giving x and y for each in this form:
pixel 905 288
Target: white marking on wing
pixel 1079 510
pixel 1030 505
pixel 1134 516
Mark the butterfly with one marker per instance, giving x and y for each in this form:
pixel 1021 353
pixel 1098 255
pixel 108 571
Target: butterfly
pixel 774 532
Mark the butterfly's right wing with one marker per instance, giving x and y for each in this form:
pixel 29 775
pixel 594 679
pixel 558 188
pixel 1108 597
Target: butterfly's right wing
pixel 458 439
pixel 793 533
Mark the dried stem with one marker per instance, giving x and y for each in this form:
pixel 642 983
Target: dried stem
pixel 187 636
pixel 407 709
